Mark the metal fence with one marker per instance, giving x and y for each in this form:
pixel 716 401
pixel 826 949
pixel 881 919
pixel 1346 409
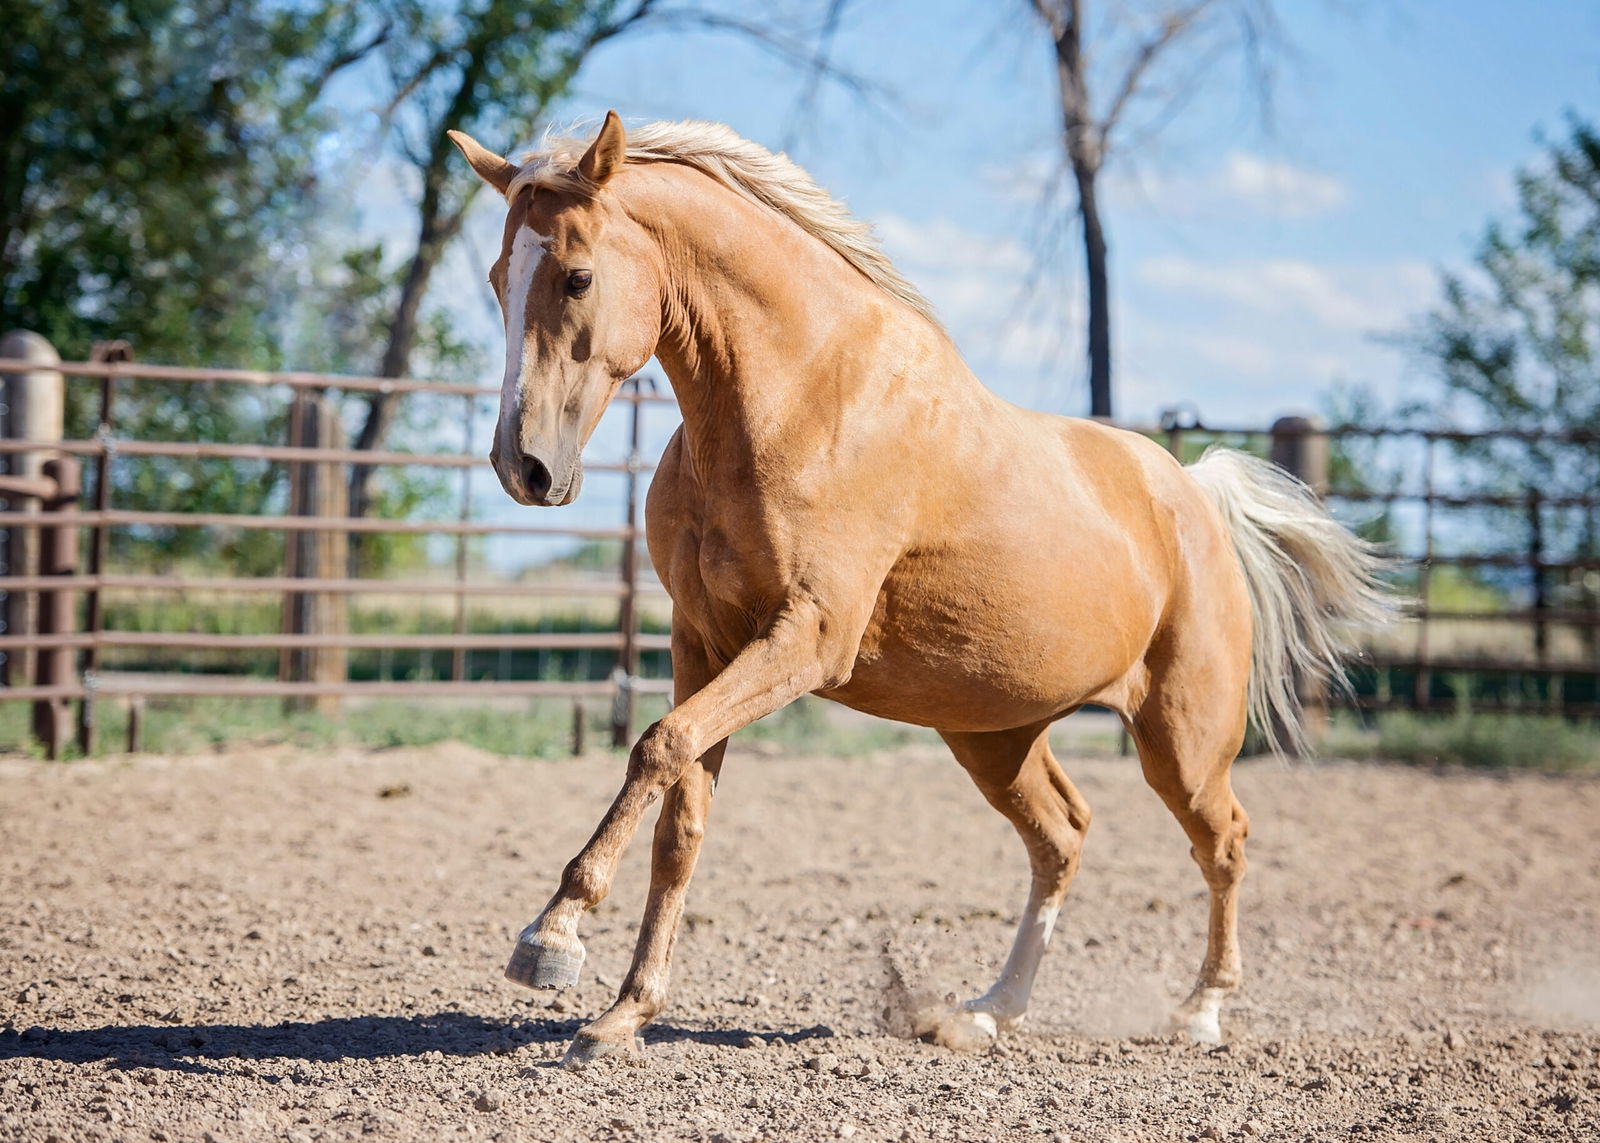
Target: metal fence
pixel 56 620
pixel 1531 647
pixel 1529 642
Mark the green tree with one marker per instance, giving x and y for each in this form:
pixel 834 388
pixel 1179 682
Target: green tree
pixel 157 177
pixel 1516 346
pixel 156 164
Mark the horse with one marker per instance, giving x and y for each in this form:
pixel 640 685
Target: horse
pixel 846 511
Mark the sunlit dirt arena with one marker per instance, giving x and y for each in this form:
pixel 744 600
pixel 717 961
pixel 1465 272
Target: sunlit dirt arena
pixel 268 945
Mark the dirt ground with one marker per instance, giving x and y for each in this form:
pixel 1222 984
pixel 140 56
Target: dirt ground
pixel 264 945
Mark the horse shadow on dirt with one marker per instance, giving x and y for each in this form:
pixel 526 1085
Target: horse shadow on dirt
pixel 188 1047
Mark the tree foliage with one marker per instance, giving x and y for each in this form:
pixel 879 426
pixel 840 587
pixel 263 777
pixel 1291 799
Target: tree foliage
pixel 164 178
pixel 156 160
pixel 157 182
pixel 1516 346
pixel 1518 343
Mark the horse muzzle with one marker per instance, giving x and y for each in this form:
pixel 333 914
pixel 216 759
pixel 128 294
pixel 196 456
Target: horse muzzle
pixel 541 480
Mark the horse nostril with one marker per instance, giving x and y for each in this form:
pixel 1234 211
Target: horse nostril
pixel 535 477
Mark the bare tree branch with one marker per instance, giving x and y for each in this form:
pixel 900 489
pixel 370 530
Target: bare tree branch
pixel 805 103
pixel 1173 25
pixel 1087 139
pixel 790 49
pixel 353 55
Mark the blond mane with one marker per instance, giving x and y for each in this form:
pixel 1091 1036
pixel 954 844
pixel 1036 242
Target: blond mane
pixel 747 169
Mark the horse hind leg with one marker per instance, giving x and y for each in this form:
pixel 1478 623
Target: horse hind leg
pixel 1186 761
pixel 1020 777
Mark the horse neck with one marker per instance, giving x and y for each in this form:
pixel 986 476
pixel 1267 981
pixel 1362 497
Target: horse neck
pixel 764 327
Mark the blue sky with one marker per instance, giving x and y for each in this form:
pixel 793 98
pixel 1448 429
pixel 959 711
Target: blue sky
pixel 1251 268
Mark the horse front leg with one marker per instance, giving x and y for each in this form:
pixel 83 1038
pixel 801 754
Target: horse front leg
pixel 679 754
pixel 679 832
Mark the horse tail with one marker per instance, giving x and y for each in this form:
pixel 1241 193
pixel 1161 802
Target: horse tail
pixel 1311 582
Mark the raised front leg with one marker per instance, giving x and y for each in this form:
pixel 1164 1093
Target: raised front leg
pixel 678 756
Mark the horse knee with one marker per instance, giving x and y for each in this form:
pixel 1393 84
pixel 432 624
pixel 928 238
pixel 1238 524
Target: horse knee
pixel 658 758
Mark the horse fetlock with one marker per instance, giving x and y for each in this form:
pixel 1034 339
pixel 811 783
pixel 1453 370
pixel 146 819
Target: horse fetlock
pixel 541 961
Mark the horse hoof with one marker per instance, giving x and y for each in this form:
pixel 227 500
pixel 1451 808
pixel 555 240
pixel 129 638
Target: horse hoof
pixel 963 1030
pixel 585 1050
pixel 534 964
pixel 1200 1017
pixel 1201 1027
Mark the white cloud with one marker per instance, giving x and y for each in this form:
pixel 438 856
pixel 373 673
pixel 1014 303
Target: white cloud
pixel 1285 189
pixel 1000 308
pixel 1255 182
pixel 1247 340
pixel 1365 297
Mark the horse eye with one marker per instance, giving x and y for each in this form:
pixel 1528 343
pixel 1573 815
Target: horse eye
pixel 578 281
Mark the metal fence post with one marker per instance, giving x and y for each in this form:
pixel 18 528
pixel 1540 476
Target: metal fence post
pixel 319 489
pixel 1300 447
pixel 107 353
pixel 57 613
pixel 458 658
pixel 1541 601
pixel 627 669
pixel 34 410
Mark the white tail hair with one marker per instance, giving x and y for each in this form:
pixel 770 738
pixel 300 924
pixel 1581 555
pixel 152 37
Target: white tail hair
pixel 1311 580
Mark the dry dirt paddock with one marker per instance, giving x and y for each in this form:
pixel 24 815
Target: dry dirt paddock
pixel 264 945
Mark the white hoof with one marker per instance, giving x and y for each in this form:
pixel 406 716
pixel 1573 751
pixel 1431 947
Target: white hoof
pixel 961 1029
pixel 1200 1016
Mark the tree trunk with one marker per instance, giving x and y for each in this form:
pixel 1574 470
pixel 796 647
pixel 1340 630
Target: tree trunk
pixel 1094 252
pixel 1084 142
pixel 434 237
pixel 438 227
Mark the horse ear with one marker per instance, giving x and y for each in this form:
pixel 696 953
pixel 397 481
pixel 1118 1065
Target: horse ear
pixel 606 154
pixel 490 167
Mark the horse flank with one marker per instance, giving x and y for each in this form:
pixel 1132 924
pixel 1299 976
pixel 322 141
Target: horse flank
pixel 749 170
pixel 1312 583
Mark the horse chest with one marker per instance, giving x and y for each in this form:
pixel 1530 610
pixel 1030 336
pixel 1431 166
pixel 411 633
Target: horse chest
pixel 723 584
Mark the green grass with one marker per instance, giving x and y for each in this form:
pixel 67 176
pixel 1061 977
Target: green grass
pixel 1490 741
pixel 537 728
pixel 540 728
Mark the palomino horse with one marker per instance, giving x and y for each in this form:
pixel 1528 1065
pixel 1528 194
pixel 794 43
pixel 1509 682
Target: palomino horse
pixel 846 511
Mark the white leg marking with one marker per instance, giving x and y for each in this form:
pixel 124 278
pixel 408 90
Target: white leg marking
pixel 1007 1000
pixel 1200 1016
pixel 976 1024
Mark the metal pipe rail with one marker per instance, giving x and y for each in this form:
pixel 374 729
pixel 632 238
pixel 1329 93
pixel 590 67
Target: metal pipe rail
pixel 211 686
pixel 208 450
pixel 115 517
pixel 290 378
pixel 276 585
pixel 534 641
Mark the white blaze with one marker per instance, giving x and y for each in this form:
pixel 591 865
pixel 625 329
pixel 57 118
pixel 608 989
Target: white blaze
pixel 527 251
